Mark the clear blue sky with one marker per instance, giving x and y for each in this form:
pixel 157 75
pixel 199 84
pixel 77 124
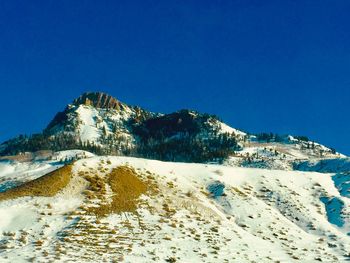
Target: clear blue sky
pixel 280 66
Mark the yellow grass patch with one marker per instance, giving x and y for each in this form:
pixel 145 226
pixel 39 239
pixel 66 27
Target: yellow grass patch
pixel 127 187
pixel 47 185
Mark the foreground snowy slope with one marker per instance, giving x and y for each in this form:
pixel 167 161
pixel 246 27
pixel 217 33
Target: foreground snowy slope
pixel 111 209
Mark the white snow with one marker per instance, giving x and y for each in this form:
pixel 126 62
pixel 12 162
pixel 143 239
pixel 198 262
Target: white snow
pixel 88 126
pixel 68 154
pixel 263 216
pixel 227 129
pixel 18 172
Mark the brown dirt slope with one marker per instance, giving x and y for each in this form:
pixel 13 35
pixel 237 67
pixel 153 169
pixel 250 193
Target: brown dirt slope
pixel 47 185
pixel 127 187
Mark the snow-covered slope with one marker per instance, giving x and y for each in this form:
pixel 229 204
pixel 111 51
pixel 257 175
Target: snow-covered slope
pixel 13 173
pixel 333 165
pixel 185 213
pixel 288 154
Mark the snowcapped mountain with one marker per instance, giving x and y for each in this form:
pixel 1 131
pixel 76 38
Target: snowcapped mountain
pixel 215 194
pixel 93 117
pixel 101 124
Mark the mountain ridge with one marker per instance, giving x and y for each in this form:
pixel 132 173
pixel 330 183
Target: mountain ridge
pixel 99 123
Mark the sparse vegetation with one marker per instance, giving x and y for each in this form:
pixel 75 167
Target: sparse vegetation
pixel 127 187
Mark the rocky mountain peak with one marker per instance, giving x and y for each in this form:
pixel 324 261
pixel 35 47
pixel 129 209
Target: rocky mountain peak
pixel 99 100
pixel 108 126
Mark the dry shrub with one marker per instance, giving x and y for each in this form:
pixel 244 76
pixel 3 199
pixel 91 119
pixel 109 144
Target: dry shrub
pixel 38 243
pixel 239 192
pixel 97 184
pixel 47 185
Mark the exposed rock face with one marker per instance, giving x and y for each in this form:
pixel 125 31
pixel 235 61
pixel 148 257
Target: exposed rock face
pixel 99 100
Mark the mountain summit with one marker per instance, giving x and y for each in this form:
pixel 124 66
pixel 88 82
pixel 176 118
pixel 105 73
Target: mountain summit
pixel 98 100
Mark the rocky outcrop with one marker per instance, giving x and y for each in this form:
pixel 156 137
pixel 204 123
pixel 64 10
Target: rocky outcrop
pixel 99 100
